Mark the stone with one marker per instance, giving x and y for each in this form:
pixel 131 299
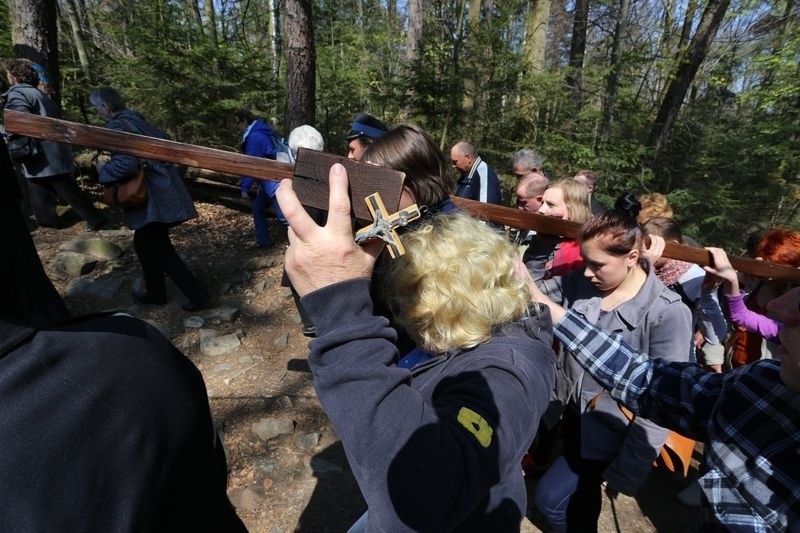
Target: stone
pixel 219 345
pixel 206 334
pixel 264 464
pixel 259 286
pixel 286 293
pixel 308 441
pixel 98 248
pixel 282 341
pixel 105 287
pixel 249 499
pixel 193 322
pixel 68 265
pixel 261 262
pixel 284 402
pixel 223 314
pixel 294 318
pixel 116 232
pixel 269 428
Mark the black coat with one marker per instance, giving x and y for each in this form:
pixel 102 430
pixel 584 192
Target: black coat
pixel 106 427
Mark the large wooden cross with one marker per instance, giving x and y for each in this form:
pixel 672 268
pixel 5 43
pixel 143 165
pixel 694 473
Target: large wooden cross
pixel 310 176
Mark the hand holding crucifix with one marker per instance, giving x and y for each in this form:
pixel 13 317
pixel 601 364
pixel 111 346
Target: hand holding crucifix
pixel 321 256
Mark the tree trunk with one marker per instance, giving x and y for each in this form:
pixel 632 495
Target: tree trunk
pixel 577 51
pixel 35 36
pixel 685 72
pixel 274 40
pixel 473 20
pixel 534 47
pixel 300 64
pixel 194 14
pixel 77 36
pixel 416 20
pixel 211 23
pixel 536 36
pixel 612 82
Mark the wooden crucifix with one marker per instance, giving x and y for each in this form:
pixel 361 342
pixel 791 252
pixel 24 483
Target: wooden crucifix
pixel 311 181
pixel 384 225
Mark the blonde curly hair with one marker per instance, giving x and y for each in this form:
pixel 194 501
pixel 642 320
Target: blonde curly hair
pixel 455 284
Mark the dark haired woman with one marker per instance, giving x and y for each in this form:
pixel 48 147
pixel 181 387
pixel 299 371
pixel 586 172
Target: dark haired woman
pixel 618 291
pixel 168 204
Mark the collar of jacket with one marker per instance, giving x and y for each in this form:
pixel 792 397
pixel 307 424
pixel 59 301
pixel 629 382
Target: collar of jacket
pixel 632 312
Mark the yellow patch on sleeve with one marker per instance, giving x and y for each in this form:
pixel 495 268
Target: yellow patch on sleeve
pixel 476 425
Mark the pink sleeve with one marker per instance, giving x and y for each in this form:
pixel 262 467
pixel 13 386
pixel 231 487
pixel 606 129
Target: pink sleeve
pixel 750 320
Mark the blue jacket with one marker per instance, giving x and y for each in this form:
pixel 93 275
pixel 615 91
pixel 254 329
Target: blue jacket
pixel 258 143
pixel 436 448
pixel 480 183
pixel 168 200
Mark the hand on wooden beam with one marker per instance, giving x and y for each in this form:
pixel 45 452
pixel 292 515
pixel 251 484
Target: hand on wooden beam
pixel 321 256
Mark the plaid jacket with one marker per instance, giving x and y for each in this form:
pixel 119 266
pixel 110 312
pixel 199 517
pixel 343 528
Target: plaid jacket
pixel 749 420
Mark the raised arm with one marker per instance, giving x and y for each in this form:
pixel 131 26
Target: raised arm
pixel 740 315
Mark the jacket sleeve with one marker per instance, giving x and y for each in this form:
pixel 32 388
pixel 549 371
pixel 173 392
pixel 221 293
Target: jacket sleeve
pixel 670 338
pixel 679 396
pixel 257 144
pixel 421 466
pixel 750 320
pixel 121 166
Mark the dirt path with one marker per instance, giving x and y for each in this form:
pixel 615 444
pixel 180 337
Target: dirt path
pixel 298 480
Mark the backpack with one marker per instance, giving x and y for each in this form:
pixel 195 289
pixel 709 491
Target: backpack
pixel 282 148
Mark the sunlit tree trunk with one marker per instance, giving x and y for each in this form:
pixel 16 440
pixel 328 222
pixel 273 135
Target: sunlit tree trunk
pixel 211 23
pixel 534 48
pixel 300 64
pixel 35 36
pixel 78 41
pixel 274 40
pixel 416 21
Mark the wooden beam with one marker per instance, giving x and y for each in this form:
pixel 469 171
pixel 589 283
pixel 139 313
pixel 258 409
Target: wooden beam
pixel 311 181
pixel 310 173
pixel 517 218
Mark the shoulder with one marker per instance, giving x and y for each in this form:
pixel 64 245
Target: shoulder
pixel 523 348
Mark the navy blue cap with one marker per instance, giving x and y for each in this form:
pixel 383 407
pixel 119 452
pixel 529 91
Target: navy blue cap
pixel 368 126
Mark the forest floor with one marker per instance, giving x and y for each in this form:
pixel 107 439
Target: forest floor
pixel 287 468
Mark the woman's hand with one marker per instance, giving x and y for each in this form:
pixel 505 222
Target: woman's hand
pixel 722 268
pixel 655 249
pixel 321 256
pixel 556 311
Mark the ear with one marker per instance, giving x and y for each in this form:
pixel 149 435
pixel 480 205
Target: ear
pixel 632 258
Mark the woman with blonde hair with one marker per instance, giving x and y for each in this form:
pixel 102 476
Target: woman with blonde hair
pixel 654 204
pixel 548 256
pixel 437 447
